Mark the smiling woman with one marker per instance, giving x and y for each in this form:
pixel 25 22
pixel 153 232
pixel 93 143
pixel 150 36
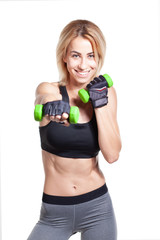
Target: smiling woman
pixel 80 60
pixel 88 31
pixel 70 151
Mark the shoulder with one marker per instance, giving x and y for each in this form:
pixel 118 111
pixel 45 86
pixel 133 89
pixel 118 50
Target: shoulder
pixel 46 87
pixel 46 91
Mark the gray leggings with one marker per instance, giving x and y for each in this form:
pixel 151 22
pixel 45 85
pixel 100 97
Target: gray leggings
pixel 91 214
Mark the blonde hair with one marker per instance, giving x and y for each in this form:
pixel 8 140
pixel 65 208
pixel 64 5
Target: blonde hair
pixel 85 29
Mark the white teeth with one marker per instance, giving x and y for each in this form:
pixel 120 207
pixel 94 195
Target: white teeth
pixel 83 73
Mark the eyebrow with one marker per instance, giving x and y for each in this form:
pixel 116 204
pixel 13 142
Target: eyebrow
pixel 80 53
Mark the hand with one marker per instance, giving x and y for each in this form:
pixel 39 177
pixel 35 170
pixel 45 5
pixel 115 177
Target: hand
pixel 98 90
pixel 57 111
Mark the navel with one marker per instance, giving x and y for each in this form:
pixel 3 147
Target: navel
pixel 74 187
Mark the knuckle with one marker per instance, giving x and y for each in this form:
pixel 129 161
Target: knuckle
pixel 52 118
pixel 65 115
pixel 58 117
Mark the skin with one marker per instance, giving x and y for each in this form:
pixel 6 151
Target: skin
pixel 70 176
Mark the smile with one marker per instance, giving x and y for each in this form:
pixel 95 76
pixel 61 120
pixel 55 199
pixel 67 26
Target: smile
pixel 83 74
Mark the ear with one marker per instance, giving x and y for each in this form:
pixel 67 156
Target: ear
pixel 64 59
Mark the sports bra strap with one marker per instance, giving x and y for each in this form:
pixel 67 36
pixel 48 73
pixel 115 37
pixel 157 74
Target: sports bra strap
pixel 64 93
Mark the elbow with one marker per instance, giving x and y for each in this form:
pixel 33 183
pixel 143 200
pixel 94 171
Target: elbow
pixel 112 158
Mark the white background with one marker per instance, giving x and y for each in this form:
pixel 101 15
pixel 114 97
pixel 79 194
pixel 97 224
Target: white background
pixel 29 33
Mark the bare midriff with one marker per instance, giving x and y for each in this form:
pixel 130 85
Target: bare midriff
pixel 71 176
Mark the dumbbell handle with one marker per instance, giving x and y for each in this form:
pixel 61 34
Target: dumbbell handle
pixel 84 95
pixel 73 115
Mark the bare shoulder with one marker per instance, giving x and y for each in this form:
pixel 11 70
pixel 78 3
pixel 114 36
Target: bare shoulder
pixel 46 91
pixel 46 87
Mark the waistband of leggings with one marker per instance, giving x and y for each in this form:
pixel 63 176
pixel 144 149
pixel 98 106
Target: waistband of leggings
pixel 67 200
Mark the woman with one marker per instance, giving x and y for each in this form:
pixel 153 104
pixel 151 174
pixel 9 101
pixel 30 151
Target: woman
pixel 76 198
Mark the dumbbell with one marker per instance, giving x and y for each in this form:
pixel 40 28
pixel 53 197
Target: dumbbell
pixel 73 115
pixel 84 94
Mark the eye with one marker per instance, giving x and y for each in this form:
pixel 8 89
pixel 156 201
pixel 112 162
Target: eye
pixel 75 55
pixel 91 55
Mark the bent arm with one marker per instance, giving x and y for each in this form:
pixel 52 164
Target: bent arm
pixel 108 130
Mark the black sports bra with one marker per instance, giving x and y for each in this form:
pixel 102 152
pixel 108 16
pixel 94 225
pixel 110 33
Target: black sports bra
pixel 75 141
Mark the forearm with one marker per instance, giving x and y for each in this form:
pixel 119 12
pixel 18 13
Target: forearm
pixel 108 134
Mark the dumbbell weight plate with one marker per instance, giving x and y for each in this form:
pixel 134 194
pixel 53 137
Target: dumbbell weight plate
pixel 84 95
pixel 74 114
pixel 108 79
pixel 38 112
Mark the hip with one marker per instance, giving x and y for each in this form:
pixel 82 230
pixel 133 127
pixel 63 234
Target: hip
pixel 70 200
pixel 90 210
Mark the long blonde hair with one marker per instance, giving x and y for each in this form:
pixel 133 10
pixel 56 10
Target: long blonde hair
pixel 86 29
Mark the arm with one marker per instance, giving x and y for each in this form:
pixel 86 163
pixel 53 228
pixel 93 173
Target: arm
pixel 49 92
pixel 108 131
pixel 46 92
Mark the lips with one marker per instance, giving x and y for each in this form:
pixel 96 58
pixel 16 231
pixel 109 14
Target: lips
pixel 82 73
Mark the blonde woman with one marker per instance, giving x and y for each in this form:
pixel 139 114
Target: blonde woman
pixel 76 197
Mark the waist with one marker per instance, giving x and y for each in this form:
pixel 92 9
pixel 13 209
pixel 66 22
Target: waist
pixel 70 177
pixel 70 200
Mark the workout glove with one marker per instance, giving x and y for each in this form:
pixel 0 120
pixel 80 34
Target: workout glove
pixel 56 108
pixel 98 90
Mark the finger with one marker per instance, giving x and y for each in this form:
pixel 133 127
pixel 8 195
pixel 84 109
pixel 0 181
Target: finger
pixel 58 117
pixel 52 118
pixel 47 116
pixel 66 123
pixel 65 116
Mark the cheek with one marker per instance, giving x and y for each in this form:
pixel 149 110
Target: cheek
pixel 93 64
pixel 71 64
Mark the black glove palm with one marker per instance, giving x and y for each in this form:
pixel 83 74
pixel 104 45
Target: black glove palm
pixel 98 90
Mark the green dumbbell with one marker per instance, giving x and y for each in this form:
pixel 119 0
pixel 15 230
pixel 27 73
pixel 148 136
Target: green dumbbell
pixel 84 94
pixel 73 115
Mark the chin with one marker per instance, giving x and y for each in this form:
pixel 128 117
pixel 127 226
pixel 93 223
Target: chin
pixel 83 80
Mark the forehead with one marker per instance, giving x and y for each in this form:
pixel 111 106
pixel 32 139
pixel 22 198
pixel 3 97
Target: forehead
pixel 80 44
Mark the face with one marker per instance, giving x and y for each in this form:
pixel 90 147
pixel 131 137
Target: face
pixel 80 60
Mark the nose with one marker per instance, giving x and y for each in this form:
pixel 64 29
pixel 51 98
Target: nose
pixel 83 64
